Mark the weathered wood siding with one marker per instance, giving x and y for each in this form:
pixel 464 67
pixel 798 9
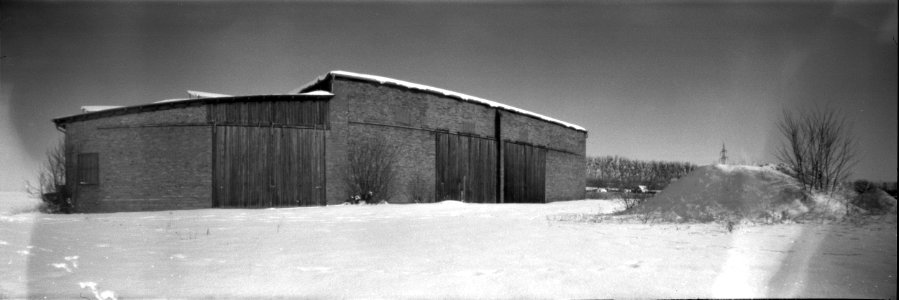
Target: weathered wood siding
pixel 466 168
pixel 524 173
pixel 268 167
pixel 283 112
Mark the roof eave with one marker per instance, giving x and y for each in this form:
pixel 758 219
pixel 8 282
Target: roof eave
pixel 62 121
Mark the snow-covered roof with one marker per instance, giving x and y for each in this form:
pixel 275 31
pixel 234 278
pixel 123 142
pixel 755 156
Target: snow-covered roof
pixel 191 95
pixel 198 94
pixel 205 98
pixel 95 108
pixel 172 100
pixel 317 93
pixel 204 95
pixel 421 87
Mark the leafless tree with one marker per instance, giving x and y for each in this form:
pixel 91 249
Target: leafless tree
pixel 51 181
pixel 818 148
pixel 371 168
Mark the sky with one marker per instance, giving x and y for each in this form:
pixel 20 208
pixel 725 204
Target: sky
pixel 651 80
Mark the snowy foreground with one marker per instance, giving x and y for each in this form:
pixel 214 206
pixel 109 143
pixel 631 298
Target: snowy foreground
pixel 447 249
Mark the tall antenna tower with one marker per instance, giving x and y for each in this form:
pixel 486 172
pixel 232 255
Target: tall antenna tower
pixel 723 159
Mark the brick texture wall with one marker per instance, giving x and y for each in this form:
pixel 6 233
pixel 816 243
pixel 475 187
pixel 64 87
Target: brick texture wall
pixel 565 156
pixel 409 120
pixel 416 150
pixel 143 164
pixel 381 104
pixel 564 176
pixel 521 128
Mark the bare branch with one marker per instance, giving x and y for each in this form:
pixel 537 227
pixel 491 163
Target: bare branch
pixel 818 148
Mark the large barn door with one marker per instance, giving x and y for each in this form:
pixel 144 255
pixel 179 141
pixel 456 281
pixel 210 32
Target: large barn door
pixel 268 167
pixel 466 168
pixel 524 173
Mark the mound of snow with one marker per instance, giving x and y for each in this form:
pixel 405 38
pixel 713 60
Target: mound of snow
pixel 715 191
pixel 18 202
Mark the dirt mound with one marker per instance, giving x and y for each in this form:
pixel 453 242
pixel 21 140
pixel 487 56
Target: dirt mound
pixel 729 191
pixel 876 201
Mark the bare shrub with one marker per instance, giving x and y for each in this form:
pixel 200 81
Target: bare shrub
pixel 371 169
pixel 50 186
pixel 818 148
pixel 632 200
pixel 417 189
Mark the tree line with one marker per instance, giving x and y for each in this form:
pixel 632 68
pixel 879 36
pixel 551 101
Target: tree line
pixel 621 172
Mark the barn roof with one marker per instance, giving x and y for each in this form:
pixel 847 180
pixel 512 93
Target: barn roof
pixel 93 112
pixel 433 90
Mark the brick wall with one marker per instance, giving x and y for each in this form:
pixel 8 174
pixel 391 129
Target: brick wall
pixel 144 165
pixel 521 128
pixel 565 155
pixel 390 105
pixel 564 176
pixel 416 156
pixel 409 118
pixel 401 118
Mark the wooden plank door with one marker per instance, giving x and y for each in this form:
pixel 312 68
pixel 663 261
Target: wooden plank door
pixel 466 168
pixel 524 173
pixel 267 167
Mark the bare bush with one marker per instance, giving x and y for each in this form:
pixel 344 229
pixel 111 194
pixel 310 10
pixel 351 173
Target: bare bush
pixel 818 148
pixel 417 189
pixel 371 169
pixel 632 200
pixel 50 186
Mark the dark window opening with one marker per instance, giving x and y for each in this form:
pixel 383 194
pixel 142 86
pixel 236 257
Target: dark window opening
pixel 88 168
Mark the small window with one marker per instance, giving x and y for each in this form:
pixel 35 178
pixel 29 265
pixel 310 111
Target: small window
pixel 88 168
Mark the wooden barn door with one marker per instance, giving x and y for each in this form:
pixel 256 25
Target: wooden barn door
pixel 524 173
pixel 268 167
pixel 466 168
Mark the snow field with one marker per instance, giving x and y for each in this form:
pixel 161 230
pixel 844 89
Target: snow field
pixel 447 249
pixel 12 203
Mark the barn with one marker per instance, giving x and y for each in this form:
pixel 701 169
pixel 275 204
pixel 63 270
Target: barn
pixel 292 149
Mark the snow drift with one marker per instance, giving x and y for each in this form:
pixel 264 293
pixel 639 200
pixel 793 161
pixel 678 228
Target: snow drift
pixel 733 192
pixel 16 202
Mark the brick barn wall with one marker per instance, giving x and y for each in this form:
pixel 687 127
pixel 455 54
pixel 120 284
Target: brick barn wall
pixel 416 150
pixel 564 176
pixel 336 147
pixel 144 164
pixel 382 104
pixel 521 128
pixel 565 156
pixel 151 160
pixel 409 118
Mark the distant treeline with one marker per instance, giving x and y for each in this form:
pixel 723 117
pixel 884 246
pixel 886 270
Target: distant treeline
pixel 620 172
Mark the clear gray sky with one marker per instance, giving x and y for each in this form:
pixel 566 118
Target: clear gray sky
pixel 654 80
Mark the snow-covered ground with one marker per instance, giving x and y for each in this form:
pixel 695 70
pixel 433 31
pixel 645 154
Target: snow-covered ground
pixel 17 202
pixel 447 249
